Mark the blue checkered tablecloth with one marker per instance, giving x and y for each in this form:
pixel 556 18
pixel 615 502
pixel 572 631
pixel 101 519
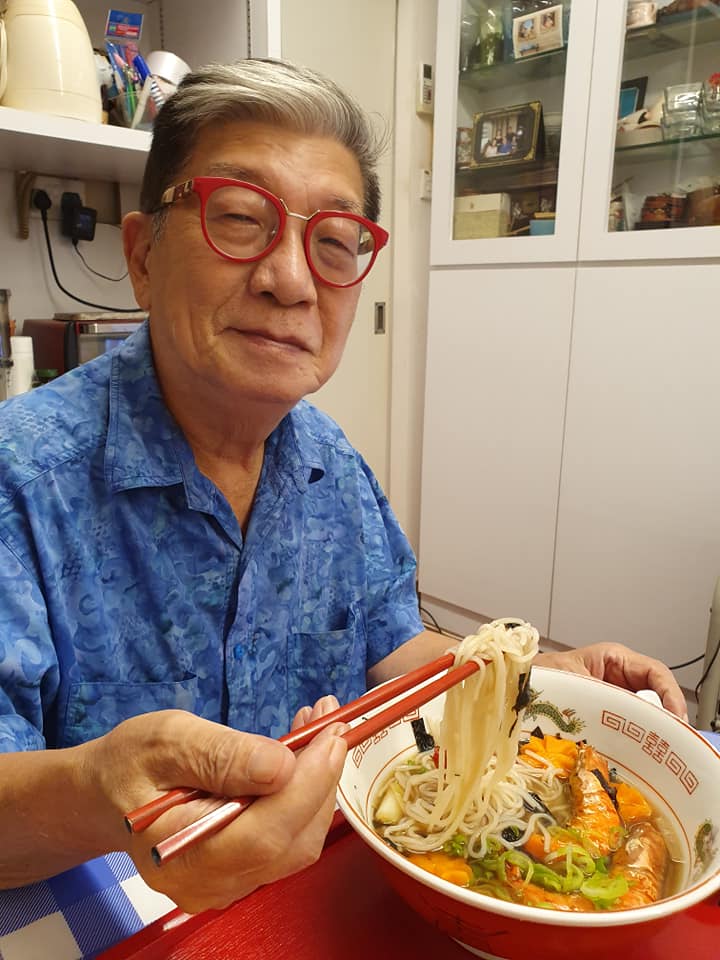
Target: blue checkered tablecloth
pixel 79 913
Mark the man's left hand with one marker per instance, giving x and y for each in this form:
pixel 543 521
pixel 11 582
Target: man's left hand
pixel 623 667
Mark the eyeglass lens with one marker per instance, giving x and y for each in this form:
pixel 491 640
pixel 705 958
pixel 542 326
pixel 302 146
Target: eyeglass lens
pixel 243 223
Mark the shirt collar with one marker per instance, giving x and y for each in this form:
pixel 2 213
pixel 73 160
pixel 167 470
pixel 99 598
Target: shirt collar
pixel 141 448
pixel 292 450
pixel 146 447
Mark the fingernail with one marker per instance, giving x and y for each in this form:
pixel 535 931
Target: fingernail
pixel 338 751
pixel 338 728
pixel 265 761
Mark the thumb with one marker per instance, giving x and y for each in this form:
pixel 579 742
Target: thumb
pixel 570 661
pixel 220 760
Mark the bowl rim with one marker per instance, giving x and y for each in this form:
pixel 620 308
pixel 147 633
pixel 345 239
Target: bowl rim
pixel 634 915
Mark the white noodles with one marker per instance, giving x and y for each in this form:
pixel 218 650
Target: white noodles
pixel 477 787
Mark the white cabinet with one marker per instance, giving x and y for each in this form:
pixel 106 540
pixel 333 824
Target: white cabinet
pixel 495 397
pixel 638 542
pixel 569 470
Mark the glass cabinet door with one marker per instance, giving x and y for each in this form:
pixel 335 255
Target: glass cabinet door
pixel 666 172
pixel 511 81
pixel 512 85
pixel 657 72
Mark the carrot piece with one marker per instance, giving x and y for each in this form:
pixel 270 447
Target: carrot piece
pixel 560 753
pixel 453 869
pixel 632 805
pixel 535 846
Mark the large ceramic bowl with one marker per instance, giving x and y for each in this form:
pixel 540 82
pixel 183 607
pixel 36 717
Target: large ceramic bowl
pixel 670 762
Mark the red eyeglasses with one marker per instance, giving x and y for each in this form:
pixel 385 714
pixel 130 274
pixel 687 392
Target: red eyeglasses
pixel 244 222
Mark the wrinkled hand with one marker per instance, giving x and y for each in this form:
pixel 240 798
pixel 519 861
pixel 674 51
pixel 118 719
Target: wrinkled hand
pixel 623 667
pixel 281 832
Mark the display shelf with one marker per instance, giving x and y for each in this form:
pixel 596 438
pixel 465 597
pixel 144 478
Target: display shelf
pixel 689 148
pixel 512 72
pixel 676 49
pixel 62 147
pixel 674 33
pixel 490 180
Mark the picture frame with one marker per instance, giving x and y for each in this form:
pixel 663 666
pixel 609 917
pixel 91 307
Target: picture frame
pixel 632 96
pixel 508 135
pixel 641 13
pixel 538 32
pixel 527 204
pixel 463 147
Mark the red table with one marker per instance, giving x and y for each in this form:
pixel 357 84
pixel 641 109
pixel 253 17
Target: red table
pixel 342 908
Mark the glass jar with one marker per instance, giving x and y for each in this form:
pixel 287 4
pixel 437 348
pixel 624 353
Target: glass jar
pixel 490 42
pixel 711 94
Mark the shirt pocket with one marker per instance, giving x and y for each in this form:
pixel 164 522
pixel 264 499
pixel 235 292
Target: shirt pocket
pixel 93 709
pixel 330 661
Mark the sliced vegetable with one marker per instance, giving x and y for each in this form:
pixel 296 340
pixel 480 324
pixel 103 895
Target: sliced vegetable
pixel 453 869
pixel 456 845
pixel 554 750
pixel 390 810
pixel 603 890
pixel 632 805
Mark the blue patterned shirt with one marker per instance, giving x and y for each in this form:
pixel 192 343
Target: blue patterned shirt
pixel 126 584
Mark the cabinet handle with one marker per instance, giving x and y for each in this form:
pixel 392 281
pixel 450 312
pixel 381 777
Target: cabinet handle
pixel 380 316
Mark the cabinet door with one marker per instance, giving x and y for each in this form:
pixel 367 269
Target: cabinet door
pixel 652 176
pixel 510 124
pixel 638 544
pixel 498 351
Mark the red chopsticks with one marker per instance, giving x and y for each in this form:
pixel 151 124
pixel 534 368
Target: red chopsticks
pixel 225 810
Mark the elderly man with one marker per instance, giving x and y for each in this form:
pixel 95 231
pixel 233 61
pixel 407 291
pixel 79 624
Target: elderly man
pixel 190 553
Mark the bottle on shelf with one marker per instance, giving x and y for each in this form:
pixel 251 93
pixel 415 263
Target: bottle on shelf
pixel 490 41
pixel 5 333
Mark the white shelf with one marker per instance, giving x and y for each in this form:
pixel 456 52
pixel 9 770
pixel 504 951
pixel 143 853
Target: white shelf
pixel 58 146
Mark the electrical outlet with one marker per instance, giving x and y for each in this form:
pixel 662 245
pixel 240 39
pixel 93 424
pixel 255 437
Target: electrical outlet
pixel 55 188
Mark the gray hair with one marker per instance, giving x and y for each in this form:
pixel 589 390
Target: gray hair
pixel 266 91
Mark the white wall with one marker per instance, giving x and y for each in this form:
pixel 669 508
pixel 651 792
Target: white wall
pixel 358 394
pixel 411 253
pixel 25 267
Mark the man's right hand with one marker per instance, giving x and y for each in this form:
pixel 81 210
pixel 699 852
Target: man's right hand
pixel 73 802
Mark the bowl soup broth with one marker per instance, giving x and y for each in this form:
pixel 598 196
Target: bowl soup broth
pixel 662 817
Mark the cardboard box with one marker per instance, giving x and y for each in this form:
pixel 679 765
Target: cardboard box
pixel 481 215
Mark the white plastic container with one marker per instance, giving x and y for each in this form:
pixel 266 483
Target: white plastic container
pixel 23 367
pixel 167 66
pixel 50 62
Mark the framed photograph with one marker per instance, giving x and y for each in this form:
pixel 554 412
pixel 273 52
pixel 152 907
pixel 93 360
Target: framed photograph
pixel 641 13
pixel 508 135
pixel 538 32
pixel 463 147
pixel 632 96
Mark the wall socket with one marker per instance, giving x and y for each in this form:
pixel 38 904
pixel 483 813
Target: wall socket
pixel 55 188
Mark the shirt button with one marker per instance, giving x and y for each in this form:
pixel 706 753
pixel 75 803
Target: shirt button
pixel 238 651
